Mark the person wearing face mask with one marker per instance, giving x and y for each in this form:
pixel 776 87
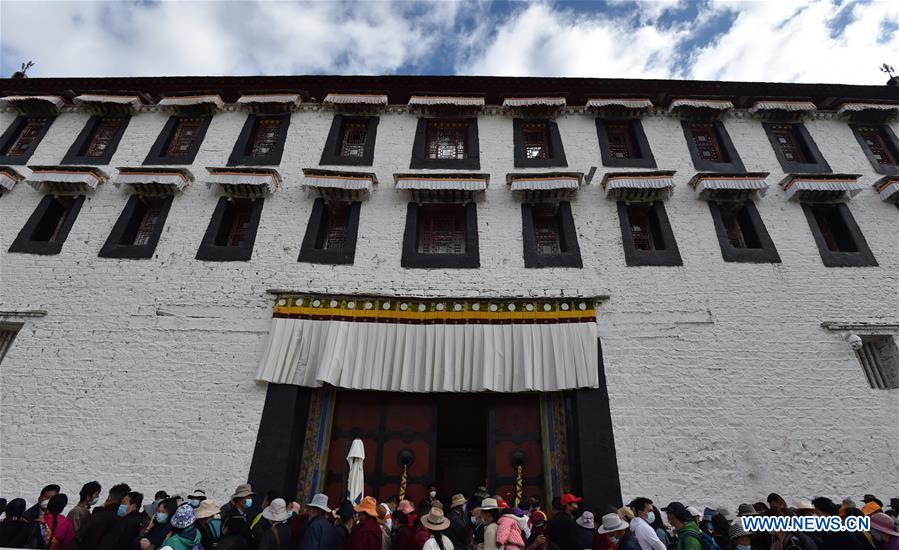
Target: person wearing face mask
pixel 209 527
pixel 563 530
pixel 40 508
pixel 131 519
pixel 260 523
pixel 689 535
pixel 618 532
pixel 102 519
pixel 150 508
pixel 740 539
pixel 159 526
pixel 432 494
pixel 59 529
pixel 241 506
pixel 641 525
pixel 78 515
pixel 196 497
pixel 658 525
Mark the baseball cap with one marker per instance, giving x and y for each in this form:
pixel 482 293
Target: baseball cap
pixel 678 510
pixel 568 498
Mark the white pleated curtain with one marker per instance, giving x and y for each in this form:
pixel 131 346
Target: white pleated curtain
pixel 405 357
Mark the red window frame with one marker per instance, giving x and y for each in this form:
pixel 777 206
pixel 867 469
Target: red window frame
pixel 639 217
pixel 708 146
pixel 790 143
pixel 183 136
pixel 547 229
pixel 335 225
pixel 877 145
pixel 446 139
pixel 441 229
pixel 103 136
pixel 25 139
pixel 621 140
pixel 352 142
pixel 265 136
pixel 536 140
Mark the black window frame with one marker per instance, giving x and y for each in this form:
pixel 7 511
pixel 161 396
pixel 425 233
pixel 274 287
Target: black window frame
pixel 331 152
pixel 239 156
pixel 556 156
pixel 419 148
pixel 766 253
pixel 12 133
pixel 891 141
pixel 308 251
pixel 211 252
pixel 568 258
pixel 75 156
pixel 863 257
pixel 411 258
pixel 819 164
pixel 23 243
pixel 646 160
pixel 734 166
pixel 669 256
pixel 156 154
pixel 113 248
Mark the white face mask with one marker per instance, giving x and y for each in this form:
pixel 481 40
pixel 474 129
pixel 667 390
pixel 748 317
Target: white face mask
pixel 650 516
pixel 44 504
pixel 432 494
pixel 615 539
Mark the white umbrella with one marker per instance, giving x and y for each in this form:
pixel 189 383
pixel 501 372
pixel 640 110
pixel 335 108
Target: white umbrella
pixel 356 481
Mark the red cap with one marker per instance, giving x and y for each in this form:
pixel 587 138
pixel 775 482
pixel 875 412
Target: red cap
pixel 568 498
pixel 502 504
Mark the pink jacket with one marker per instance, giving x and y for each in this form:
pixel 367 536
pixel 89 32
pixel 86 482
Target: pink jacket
pixel 508 533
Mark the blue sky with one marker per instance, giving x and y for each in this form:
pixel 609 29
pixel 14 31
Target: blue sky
pixel 786 40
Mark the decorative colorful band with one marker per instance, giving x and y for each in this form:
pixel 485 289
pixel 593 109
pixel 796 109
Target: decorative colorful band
pixel 435 310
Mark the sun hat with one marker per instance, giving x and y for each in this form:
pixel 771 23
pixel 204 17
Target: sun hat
pixel 611 523
pixel 568 498
pixel 679 511
pixel 436 504
pixel 320 501
pixel 737 531
pixel 869 498
pixel 276 511
pixel 368 506
pixel 747 509
pixel 804 504
pixel 694 511
pixel 197 494
pixel 243 490
pixel 405 507
pixel 586 520
pixel 183 517
pixel 481 492
pixel 489 504
pixel 537 518
pixel 884 524
pixel 724 511
pixel 870 508
pixel 457 500
pixel 435 520
pixel 207 509
pixel 345 510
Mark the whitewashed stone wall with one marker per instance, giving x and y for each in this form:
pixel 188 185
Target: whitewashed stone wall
pixel 723 385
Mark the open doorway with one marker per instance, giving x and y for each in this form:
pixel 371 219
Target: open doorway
pixel 461 444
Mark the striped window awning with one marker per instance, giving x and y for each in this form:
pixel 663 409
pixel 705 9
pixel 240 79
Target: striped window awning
pixel 244 182
pixel 355 99
pixel 154 180
pixel 104 101
pixel 443 100
pixel 860 107
pixel 65 179
pixel 347 181
pixel 639 185
pixel 212 101
pixel 255 101
pixel 792 106
pixel 715 104
pixel 455 182
pixel 546 182
pixel 546 101
pixel 821 187
pixel 33 102
pixel 626 103
pixel 888 188
pixel 711 185
pixel 9 177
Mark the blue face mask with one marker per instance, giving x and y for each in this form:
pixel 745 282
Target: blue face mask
pixel 162 517
pixel 248 503
pixel 650 517
pixel 194 503
pixel 122 510
pixel 744 547
pixel 93 501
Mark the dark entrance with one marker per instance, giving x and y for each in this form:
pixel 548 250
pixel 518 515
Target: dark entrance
pixel 461 444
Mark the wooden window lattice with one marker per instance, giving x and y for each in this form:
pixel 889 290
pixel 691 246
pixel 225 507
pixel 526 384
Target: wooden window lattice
pixel 833 229
pixel 103 136
pixel 183 137
pixel 547 229
pixel 235 223
pixel 335 225
pixel 536 140
pixel 638 214
pixel 441 229
pixel 352 143
pixel 789 142
pixel 731 220
pixel 446 139
pixel 26 137
pixel 621 141
pixel 874 140
pixel 705 137
pixel 149 220
pixel 266 134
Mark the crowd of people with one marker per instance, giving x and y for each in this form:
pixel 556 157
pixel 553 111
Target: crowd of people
pixel 124 521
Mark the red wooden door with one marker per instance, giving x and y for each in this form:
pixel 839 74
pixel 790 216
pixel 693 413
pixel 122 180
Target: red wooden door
pixel 514 437
pixel 390 426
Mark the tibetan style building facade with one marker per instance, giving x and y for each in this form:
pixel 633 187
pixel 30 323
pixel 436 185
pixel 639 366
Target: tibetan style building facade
pixel 686 290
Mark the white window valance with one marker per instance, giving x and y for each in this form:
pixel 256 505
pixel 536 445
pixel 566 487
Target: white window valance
pixel 418 182
pixel 533 182
pixel 65 179
pixel 792 106
pixel 888 188
pixel 626 103
pixel 432 345
pixel 244 182
pixel 349 181
pixel 717 185
pixel 9 177
pixel 154 180
pixel 534 102
pixel 639 185
pixel 212 101
pixel 256 101
pixel 716 104
pixel 101 101
pixel 50 102
pixel 859 107
pixel 835 186
pixel 355 99
pixel 433 100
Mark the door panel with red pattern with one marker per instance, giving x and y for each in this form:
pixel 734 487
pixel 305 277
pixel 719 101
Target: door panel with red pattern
pixel 514 438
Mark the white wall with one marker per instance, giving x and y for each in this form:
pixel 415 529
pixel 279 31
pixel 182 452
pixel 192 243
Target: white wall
pixel 723 385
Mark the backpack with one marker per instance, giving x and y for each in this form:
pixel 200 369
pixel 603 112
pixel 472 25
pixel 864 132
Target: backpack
pixel 705 539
